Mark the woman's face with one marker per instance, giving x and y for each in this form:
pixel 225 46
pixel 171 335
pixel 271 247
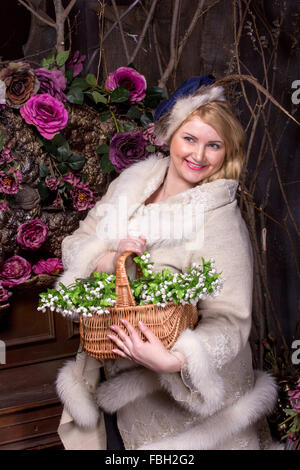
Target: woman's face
pixel 197 152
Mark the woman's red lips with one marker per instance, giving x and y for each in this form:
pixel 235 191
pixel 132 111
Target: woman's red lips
pixel 192 167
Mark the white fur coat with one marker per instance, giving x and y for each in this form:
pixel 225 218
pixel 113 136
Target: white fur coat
pixel 217 401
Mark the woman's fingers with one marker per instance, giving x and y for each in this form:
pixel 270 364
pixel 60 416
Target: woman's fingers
pixel 147 332
pixel 120 344
pixel 132 331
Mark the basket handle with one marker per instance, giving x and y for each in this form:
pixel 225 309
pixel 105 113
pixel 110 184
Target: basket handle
pixel 123 289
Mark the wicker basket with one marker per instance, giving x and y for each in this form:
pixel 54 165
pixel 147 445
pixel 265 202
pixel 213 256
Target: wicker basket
pixel 166 322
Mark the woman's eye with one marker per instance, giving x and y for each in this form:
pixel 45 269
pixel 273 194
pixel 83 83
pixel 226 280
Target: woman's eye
pixel 215 146
pixel 189 139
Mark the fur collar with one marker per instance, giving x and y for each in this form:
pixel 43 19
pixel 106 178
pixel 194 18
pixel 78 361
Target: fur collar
pixel 142 178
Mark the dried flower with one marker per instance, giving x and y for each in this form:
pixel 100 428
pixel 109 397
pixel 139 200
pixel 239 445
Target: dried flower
pixel 32 235
pixel 130 79
pixel 82 197
pixel 46 113
pixel 3 205
pixel 6 156
pixel 294 396
pixel 15 270
pixel 21 83
pixel 4 294
pixel 51 183
pixel 48 266
pixel 127 148
pixel 52 82
pixel 9 182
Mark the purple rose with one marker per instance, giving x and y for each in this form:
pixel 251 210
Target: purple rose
pixel 32 234
pixel 15 270
pixel 75 63
pixel 4 294
pixel 46 113
pixel 52 82
pixel 130 79
pixel 82 197
pixel 127 148
pixel 6 156
pixel 48 266
pixel 51 183
pixel 9 182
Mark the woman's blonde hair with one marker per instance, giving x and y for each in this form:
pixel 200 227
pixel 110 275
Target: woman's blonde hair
pixel 218 115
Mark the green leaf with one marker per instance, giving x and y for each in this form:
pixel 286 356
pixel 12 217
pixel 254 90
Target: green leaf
pixel 59 140
pixel 106 165
pixel 145 120
pixel 102 149
pixel 105 115
pixel 129 126
pixel 119 95
pixel 134 112
pixel 43 170
pixel 44 192
pixel 62 168
pixel 75 96
pixel 98 98
pixel 153 96
pixel 69 75
pixel 91 80
pixel 76 162
pixel 150 148
pixel 62 58
pixel 63 153
pixel 79 82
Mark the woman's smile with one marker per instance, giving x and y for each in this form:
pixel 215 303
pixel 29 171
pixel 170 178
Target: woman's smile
pixel 194 166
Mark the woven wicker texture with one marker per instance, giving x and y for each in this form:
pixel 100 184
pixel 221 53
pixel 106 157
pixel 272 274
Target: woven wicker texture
pixel 166 322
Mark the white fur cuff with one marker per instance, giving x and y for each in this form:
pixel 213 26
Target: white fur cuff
pixel 75 396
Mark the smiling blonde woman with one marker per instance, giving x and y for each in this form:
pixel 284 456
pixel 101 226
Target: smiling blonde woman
pixel 203 393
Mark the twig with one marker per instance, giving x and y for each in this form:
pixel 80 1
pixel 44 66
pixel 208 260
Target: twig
pixel 254 81
pixel 44 19
pixel 168 71
pixel 157 52
pixel 141 38
pixel 106 35
pixel 121 29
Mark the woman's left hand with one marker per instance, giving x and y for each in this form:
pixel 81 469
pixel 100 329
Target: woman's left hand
pixel 151 353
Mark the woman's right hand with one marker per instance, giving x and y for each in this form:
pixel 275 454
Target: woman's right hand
pixel 138 245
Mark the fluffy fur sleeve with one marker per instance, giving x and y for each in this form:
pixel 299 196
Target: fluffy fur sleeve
pixel 225 323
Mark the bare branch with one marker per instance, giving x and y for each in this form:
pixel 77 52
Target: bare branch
pixel 40 16
pixel 69 8
pixel 171 63
pixel 149 18
pixel 121 28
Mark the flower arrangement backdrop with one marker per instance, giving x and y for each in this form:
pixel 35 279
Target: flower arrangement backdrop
pixel 63 138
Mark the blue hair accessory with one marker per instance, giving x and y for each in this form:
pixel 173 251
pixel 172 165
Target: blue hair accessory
pixel 188 87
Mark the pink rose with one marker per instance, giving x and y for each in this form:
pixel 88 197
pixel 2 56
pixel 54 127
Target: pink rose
pixel 48 266
pixel 46 113
pixel 32 234
pixel 130 79
pixel 15 270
